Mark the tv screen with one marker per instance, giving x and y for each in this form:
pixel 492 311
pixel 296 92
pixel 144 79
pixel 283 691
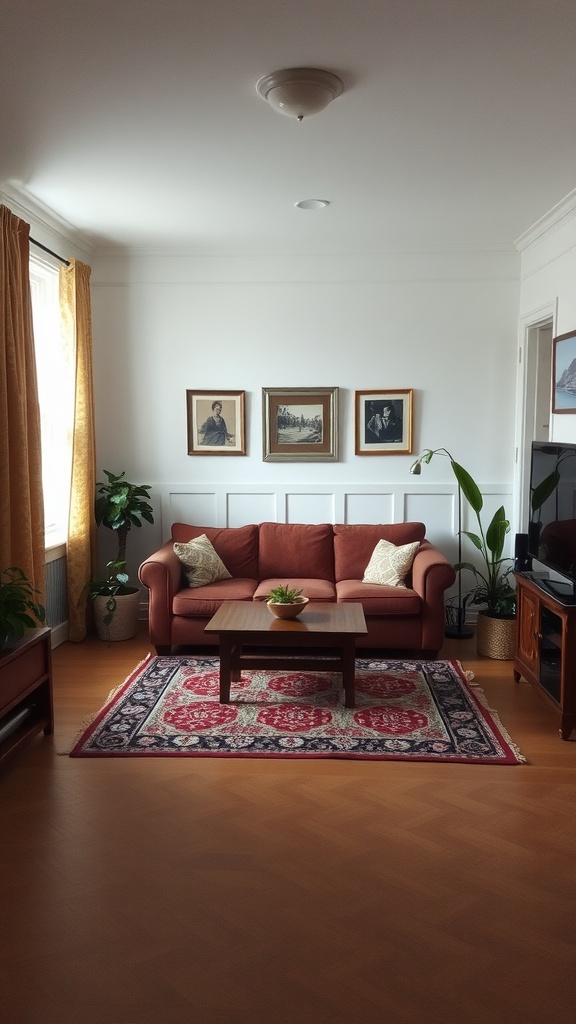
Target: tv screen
pixel 552 527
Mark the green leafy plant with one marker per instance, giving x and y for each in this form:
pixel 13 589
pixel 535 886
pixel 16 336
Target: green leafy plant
pixel 120 505
pixel 492 582
pixel 110 586
pixel 284 594
pixel 19 609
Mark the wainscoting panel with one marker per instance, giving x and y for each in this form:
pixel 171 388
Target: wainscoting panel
pixel 438 510
pixel 368 508
pixel 256 507
pixel 192 507
pixel 310 507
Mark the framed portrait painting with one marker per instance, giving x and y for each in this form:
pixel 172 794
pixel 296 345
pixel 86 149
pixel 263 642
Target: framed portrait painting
pixel 384 422
pixel 564 373
pixel 300 424
pixel 215 421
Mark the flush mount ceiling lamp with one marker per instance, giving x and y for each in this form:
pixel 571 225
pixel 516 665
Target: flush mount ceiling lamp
pixel 299 92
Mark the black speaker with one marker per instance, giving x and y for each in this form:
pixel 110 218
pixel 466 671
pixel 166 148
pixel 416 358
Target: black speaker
pixel 522 560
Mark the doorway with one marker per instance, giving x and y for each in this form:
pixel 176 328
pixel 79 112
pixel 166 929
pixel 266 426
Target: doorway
pixel 534 406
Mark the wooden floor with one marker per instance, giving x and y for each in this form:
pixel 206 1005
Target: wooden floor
pixel 223 891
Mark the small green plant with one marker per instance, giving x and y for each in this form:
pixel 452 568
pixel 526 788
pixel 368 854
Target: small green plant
pixel 284 594
pixel 110 586
pixel 19 610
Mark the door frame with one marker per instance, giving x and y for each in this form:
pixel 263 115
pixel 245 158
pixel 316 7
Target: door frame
pixel 530 326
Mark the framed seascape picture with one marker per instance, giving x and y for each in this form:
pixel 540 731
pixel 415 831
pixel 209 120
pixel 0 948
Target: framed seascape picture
pixel 215 422
pixel 564 373
pixel 384 422
pixel 300 424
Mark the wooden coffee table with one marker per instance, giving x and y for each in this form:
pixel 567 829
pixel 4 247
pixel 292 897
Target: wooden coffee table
pixel 322 639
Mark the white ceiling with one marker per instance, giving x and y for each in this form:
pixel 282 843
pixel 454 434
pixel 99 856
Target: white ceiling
pixel 138 120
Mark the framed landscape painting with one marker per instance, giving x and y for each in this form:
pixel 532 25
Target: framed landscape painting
pixel 384 422
pixel 215 421
pixel 300 424
pixel 564 373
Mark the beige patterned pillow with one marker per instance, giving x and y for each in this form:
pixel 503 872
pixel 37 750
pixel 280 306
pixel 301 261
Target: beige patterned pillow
pixel 202 563
pixel 389 564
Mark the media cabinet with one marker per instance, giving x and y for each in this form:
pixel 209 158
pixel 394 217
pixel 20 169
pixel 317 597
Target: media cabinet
pixel 26 706
pixel 546 647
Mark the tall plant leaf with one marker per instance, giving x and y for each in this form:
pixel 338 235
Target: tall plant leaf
pixel 470 488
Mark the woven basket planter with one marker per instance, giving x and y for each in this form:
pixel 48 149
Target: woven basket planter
pixel 496 638
pixel 124 621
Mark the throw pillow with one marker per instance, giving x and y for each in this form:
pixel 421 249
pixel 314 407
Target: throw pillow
pixel 202 563
pixel 389 565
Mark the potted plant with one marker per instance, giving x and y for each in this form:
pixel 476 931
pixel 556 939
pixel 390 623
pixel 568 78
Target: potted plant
pixel 496 628
pixel 19 609
pixel 114 621
pixel 286 602
pixel 119 506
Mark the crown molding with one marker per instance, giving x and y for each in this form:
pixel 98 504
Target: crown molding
pixel 550 222
pixel 25 205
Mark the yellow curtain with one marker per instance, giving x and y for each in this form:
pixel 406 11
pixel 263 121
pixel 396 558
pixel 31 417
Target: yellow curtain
pixel 21 500
pixel 82 554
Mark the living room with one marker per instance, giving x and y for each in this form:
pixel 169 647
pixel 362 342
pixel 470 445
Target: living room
pixel 210 889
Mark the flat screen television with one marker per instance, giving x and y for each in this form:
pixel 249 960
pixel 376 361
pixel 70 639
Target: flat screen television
pixel 552 526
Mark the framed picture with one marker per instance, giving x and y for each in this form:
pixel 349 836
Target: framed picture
pixel 564 373
pixel 300 424
pixel 384 422
pixel 215 422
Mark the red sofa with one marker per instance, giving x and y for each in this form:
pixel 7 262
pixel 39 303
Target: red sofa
pixel 327 561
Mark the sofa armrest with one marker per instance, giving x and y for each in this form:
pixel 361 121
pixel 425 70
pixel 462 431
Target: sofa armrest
pixel 432 574
pixel 161 573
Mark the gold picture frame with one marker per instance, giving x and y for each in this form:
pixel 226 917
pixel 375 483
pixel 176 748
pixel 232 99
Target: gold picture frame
pixel 300 424
pixel 383 422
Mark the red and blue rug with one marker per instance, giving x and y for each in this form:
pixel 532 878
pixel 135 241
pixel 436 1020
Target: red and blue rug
pixel 405 710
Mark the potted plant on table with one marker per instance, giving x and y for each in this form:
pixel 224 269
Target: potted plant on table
pixel 119 506
pixel 496 626
pixel 19 609
pixel 286 602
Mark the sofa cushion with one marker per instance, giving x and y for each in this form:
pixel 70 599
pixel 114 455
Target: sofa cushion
pixel 202 564
pixel 315 590
pixel 202 602
pixel 380 600
pixel 353 545
pixel 296 551
pixel 390 563
pixel 236 545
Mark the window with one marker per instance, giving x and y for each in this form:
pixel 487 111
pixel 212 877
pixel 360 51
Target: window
pixel 55 372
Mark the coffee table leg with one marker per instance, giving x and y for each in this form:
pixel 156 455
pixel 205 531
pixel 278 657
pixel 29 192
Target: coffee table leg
pixel 225 667
pixel 348 672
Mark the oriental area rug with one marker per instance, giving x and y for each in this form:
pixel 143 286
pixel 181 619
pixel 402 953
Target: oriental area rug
pixel 405 710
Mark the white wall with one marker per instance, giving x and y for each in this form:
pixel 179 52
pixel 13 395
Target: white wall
pixel 444 325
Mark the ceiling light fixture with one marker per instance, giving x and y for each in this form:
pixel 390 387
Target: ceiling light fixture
pixel 299 92
pixel 312 204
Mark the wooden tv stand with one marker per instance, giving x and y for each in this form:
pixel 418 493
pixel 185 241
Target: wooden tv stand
pixel 25 691
pixel 546 648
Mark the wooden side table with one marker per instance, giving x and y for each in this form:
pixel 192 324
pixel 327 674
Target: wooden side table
pixel 26 705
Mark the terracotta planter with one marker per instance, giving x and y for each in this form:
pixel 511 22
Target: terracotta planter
pixel 496 638
pixel 124 623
